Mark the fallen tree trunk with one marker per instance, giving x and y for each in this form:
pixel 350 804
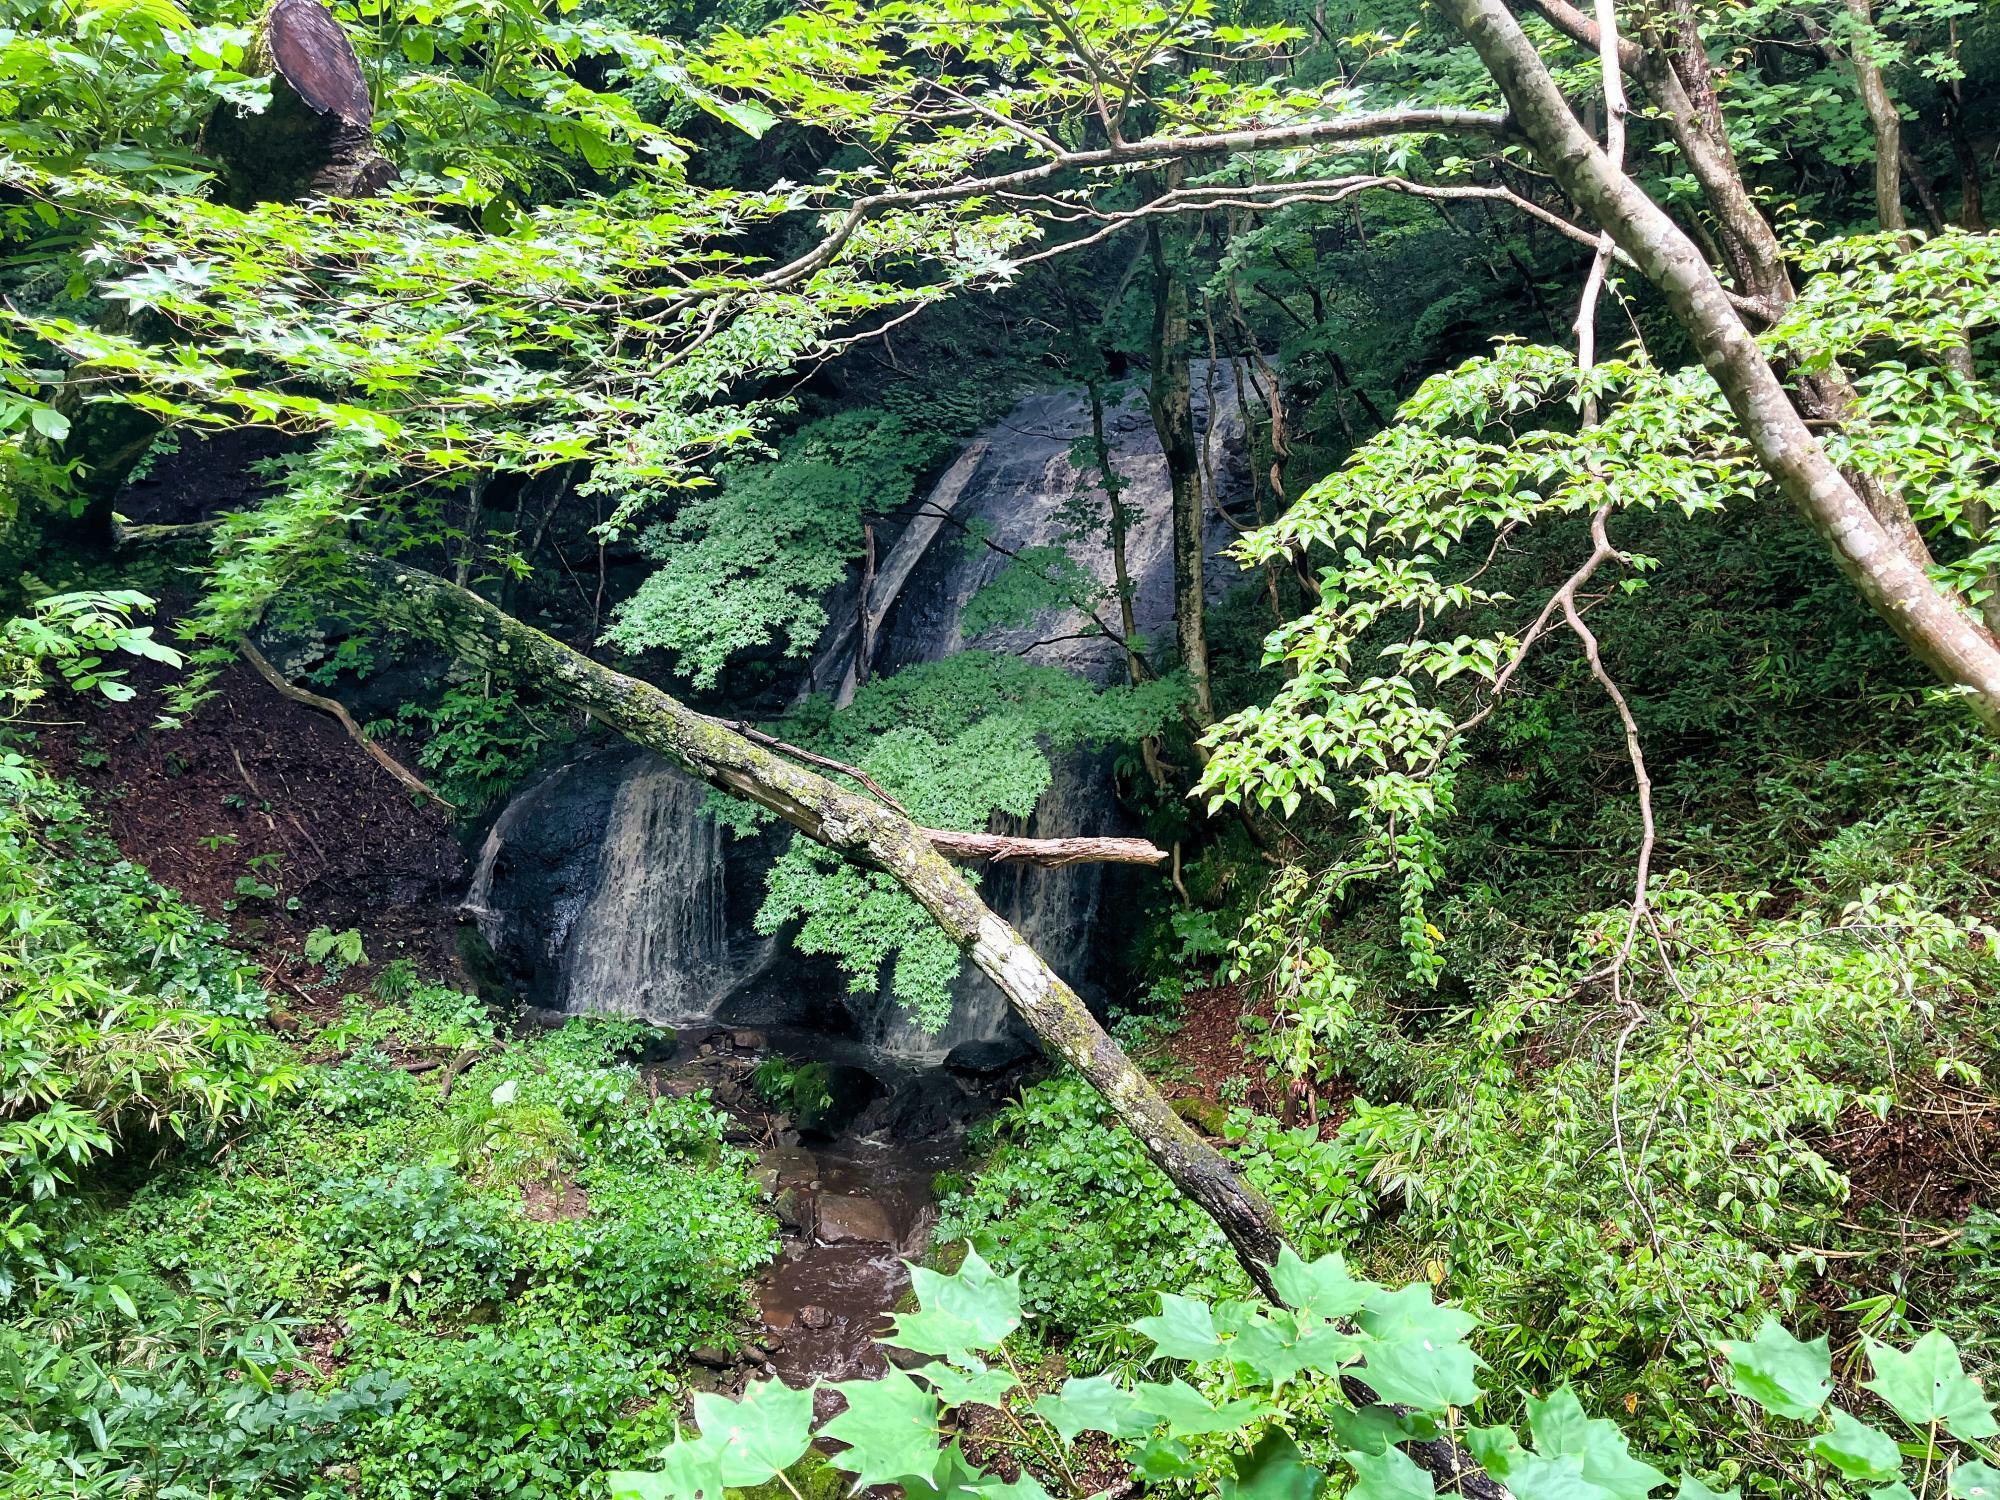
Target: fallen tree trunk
pixel 862 830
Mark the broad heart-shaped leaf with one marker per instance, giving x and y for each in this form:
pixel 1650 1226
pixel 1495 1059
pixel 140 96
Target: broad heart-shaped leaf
pixel 1093 1403
pixel 1182 1329
pixel 760 1436
pixel 979 1387
pixel 1027 1487
pixel 1781 1374
pixel 1692 1488
pixel 1273 1470
pixel 1276 1348
pixel 974 1309
pixel 1388 1476
pixel 1928 1384
pixel 1419 1373
pixel 1896 1491
pixel 1974 1480
pixel 1322 1288
pixel 1563 1431
pixel 689 1470
pixel 957 1478
pixel 890 1427
pixel 1188 1413
pixel 1858 1450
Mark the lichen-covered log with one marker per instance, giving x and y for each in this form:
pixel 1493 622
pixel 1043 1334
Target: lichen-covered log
pixel 860 829
pixel 317 138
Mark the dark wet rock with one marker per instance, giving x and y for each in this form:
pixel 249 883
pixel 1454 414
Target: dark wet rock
pixel 907 1359
pixel 713 1357
pixel 814 1317
pixel 785 1166
pixel 854 1220
pixel 925 1105
pixel 748 1041
pixel 793 1210
pixel 826 1097
pixel 985 1056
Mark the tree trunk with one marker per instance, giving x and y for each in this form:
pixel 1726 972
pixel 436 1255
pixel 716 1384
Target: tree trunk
pixel 1883 119
pixel 1170 394
pixel 1929 621
pixel 861 830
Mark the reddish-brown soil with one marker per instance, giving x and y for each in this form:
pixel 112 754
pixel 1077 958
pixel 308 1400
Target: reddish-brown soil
pixel 253 774
pixel 1209 1049
pixel 1921 1168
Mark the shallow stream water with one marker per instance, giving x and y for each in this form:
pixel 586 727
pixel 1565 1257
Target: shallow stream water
pixel 853 1207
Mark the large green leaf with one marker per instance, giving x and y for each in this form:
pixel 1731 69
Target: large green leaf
pixel 978 1386
pixel 1563 1431
pixel 1692 1488
pixel 760 1436
pixel 1273 1470
pixel 1182 1329
pixel 975 1309
pixel 1188 1413
pixel 1780 1373
pixel 689 1470
pixel 1416 1372
pixel 1858 1450
pixel 1322 1287
pixel 1411 1312
pixel 1974 1480
pixel 1093 1403
pixel 890 1427
pixel 1535 1477
pixel 1927 1384
pixel 1389 1475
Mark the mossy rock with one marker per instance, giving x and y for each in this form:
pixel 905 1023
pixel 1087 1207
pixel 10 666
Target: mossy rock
pixel 1209 1118
pixel 812 1478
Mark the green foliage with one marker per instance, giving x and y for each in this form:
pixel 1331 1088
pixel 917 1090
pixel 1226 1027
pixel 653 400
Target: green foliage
pixel 1254 1366
pixel 418 1240
pixel 480 744
pixel 958 742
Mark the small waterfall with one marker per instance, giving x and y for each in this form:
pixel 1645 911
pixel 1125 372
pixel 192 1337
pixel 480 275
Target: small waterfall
pixel 617 892
pixel 653 940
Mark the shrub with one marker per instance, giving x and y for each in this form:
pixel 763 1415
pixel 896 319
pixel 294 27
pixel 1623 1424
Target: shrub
pixel 419 1238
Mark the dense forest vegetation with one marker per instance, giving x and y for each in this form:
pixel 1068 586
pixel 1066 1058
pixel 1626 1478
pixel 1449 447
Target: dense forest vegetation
pixel 1508 646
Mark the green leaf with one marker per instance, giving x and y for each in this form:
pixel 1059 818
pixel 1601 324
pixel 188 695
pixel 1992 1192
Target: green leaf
pixel 1896 1491
pixel 1780 1373
pixel 1188 1413
pixel 973 1310
pixel 1498 1450
pixel 760 1436
pixel 981 1387
pixel 1161 1459
pixel 49 422
pixel 1858 1450
pixel 1411 1312
pixel 1563 1431
pixel 1372 1429
pixel 1182 1329
pixel 1693 1489
pixel 890 1427
pixel 691 1469
pixel 1416 1372
pixel 1928 1384
pixel 1973 1480
pixel 1535 1477
pixel 1093 1403
pixel 1322 1287
pixel 1273 1470
pixel 1388 1476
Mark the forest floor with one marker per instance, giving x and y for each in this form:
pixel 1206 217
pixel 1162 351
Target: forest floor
pixel 255 790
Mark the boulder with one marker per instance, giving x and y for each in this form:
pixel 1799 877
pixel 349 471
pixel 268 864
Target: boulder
pixel 986 1056
pixel 855 1221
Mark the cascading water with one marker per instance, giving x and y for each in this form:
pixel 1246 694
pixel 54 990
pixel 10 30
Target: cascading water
pixel 607 887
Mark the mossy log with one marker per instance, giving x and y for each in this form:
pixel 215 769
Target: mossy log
pixel 859 829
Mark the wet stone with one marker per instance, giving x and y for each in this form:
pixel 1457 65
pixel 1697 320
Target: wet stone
pixel 814 1317
pixel 853 1220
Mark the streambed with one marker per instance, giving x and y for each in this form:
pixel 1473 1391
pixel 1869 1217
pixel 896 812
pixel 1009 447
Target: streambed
pixel 854 1199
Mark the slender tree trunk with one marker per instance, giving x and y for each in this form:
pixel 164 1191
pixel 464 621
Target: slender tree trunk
pixel 859 829
pixel 1170 394
pixel 1883 119
pixel 1943 635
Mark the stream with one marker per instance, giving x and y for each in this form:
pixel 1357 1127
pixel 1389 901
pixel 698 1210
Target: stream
pixel 852 1205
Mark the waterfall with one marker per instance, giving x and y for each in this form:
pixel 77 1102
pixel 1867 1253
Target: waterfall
pixel 652 941
pixel 607 887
